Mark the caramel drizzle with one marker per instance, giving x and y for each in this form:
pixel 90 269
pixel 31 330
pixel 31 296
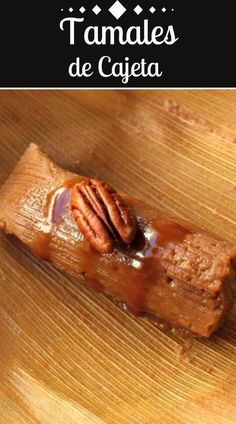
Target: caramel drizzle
pixel 142 255
pixel 54 211
pixel 152 239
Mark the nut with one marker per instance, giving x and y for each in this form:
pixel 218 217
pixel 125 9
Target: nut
pixel 101 215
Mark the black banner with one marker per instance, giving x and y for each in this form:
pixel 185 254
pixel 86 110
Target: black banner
pixel 113 43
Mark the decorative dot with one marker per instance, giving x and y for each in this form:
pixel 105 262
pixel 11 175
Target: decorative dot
pixel 96 10
pixel 82 9
pixel 172 10
pixel 71 9
pixel 62 10
pixel 163 9
pixel 138 9
pixel 152 9
pixel 117 9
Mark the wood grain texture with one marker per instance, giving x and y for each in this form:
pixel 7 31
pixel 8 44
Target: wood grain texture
pixel 68 355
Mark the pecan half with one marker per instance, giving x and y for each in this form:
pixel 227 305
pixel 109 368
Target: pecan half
pixel 101 215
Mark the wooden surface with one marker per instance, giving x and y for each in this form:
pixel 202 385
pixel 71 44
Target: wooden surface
pixel 70 356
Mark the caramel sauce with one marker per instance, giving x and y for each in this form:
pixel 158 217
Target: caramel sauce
pixel 94 284
pixel 143 256
pixel 60 205
pixel 54 210
pixel 71 183
pixel 148 247
pixel 41 246
pixel 149 273
pixel 166 233
pixel 88 257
